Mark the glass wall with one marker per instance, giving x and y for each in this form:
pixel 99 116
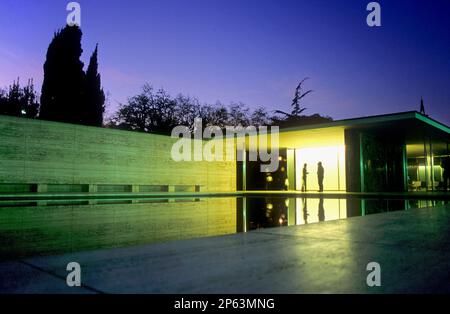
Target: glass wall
pixel 417 162
pixel 439 154
pixel 333 162
pixel 425 165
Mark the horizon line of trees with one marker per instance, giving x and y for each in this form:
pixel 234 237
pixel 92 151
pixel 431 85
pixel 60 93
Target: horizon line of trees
pixel 20 101
pixel 70 94
pixel 156 111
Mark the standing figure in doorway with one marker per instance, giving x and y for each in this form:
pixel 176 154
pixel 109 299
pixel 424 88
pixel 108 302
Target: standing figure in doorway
pixel 446 171
pixel 320 173
pixel 304 176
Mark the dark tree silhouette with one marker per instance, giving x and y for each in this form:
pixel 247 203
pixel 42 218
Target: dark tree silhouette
pixel 19 101
pixel 187 109
pixel 63 91
pixel 260 117
pixel 158 112
pixel 238 115
pixel 296 110
pixel 214 115
pixel 293 121
pixel 295 118
pixel 149 111
pixel 299 94
pixel 94 105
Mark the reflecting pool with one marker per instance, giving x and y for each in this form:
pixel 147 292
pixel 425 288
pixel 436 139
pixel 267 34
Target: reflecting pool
pixel 47 227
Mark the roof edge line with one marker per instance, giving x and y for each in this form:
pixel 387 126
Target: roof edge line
pixel 432 122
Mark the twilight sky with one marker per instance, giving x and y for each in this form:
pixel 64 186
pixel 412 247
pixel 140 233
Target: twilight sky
pixel 254 51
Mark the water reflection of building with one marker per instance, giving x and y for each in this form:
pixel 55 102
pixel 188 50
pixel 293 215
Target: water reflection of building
pixel 280 211
pixel 266 212
pixel 312 210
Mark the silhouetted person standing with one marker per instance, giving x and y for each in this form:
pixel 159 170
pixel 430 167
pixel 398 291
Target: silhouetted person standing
pixel 304 177
pixel 446 173
pixel 320 173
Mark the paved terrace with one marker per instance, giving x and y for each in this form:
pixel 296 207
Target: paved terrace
pixel 412 247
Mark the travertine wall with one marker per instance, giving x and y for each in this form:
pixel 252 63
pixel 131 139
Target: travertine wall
pixel 43 152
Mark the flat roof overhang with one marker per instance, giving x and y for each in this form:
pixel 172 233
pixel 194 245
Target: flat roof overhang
pixel 411 126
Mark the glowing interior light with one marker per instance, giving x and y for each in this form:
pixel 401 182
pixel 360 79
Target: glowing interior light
pixel 333 162
pixel 269 206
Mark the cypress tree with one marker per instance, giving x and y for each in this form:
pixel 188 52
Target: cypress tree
pixel 63 88
pixel 95 97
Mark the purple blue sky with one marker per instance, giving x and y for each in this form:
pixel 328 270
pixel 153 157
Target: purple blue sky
pixel 254 51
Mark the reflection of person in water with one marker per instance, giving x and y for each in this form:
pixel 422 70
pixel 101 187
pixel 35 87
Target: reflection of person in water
pixel 320 173
pixel 321 211
pixel 305 210
pixel 304 176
